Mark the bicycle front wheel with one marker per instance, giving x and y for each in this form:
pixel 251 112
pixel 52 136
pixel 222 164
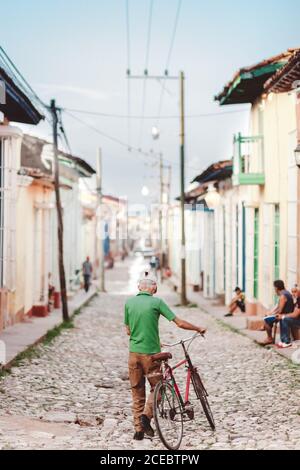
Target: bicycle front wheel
pixel 201 394
pixel 168 415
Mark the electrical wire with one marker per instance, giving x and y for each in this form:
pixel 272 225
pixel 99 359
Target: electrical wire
pixel 132 116
pixel 128 72
pixel 160 104
pixel 17 75
pixel 139 151
pixel 146 69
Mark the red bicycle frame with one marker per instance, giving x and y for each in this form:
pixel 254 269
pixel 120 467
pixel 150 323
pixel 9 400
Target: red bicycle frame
pixel 168 375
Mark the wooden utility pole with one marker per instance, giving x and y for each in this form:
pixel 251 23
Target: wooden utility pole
pixel 182 168
pixel 161 247
pixel 182 193
pixel 169 168
pixel 60 230
pixel 100 222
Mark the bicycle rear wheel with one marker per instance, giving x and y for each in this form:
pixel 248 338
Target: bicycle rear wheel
pixel 201 394
pixel 168 415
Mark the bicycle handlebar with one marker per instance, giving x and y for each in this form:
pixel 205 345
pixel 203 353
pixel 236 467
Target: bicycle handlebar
pixel 184 340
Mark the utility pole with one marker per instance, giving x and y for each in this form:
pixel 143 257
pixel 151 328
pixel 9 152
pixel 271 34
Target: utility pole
pixel 182 193
pixel 168 185
pixel 60 229
pixel 100 224
pixel 161 180
pixel 181 79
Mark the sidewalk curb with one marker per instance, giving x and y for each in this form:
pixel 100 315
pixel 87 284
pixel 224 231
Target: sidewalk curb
pixel 76 311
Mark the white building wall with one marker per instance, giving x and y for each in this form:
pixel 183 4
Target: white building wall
pixel 293 235
pixel 209 255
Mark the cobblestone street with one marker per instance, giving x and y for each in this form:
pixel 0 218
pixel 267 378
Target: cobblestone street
pixel 76 394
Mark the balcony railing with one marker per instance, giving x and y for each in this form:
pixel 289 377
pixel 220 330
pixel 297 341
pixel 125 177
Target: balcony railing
pixel 248 160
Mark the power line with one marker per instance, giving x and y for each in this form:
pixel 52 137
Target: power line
pixel 17 75
pixel 112 138
pixel 128 71
pixel 171 116
pixel 123 144
pixel 63 132
pixel 169 58
pixel 146 68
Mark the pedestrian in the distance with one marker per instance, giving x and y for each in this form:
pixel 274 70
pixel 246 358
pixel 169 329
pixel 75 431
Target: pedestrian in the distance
pixel 238 302
pixel 87 269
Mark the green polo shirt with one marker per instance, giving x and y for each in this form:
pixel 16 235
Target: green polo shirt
pixel 142 313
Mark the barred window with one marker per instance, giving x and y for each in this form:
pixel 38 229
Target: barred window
pixel 8 175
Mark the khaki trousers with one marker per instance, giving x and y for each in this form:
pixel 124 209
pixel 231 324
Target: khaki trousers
pixel 141 366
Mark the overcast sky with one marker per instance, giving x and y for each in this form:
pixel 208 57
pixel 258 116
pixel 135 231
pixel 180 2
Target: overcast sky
pixel 76 51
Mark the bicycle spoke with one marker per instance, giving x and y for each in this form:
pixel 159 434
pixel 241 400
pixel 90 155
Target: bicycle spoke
pixel 168 415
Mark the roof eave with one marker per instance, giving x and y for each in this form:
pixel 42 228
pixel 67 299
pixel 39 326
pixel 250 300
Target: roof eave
pixel 18 107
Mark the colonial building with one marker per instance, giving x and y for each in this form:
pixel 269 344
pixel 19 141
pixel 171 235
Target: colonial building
pixel 17 107
pixel 258 219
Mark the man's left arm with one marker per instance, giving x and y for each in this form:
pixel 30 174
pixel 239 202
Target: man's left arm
pixel 126 320
pixel 295 314
pixel 281 304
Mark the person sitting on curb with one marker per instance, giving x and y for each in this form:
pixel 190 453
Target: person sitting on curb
pixel 142 314
pixel 295 291
pixel 287 322
pixel 285 307
pixel 237 302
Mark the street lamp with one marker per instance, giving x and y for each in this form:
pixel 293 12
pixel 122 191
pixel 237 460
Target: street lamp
pixel 297 155
pixel 155 132
pixel 145 191
pixel 212 197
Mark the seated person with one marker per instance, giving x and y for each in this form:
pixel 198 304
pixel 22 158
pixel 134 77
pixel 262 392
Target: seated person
pixel 237 302
pixel 285 307
pixel 287 322
pixel 295 293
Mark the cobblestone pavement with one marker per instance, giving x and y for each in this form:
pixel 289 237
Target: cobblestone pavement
pixel 76 394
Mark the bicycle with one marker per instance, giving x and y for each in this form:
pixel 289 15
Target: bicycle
pixel 170 409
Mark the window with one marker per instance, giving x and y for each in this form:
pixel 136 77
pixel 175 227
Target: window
pixel 256 250
pixel 8 175
pixel 276 241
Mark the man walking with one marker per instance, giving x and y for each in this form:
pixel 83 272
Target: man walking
pixel 142 314
pixel 87 269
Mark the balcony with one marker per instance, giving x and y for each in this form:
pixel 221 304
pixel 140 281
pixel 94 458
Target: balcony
pixel 248 160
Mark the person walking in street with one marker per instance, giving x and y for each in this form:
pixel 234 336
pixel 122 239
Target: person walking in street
pixel 142 314
pixel 237 302
pixel 87 269
pixel 285 307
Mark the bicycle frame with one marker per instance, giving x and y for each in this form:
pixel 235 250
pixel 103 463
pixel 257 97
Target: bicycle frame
pixel 168 375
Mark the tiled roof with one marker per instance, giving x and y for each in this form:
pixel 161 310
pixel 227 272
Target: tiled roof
pixel 248 82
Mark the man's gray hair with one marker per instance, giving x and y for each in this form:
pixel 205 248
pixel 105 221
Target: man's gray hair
pixel 147 281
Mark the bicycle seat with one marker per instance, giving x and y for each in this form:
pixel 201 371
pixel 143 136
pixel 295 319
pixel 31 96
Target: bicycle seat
pixel 163 356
